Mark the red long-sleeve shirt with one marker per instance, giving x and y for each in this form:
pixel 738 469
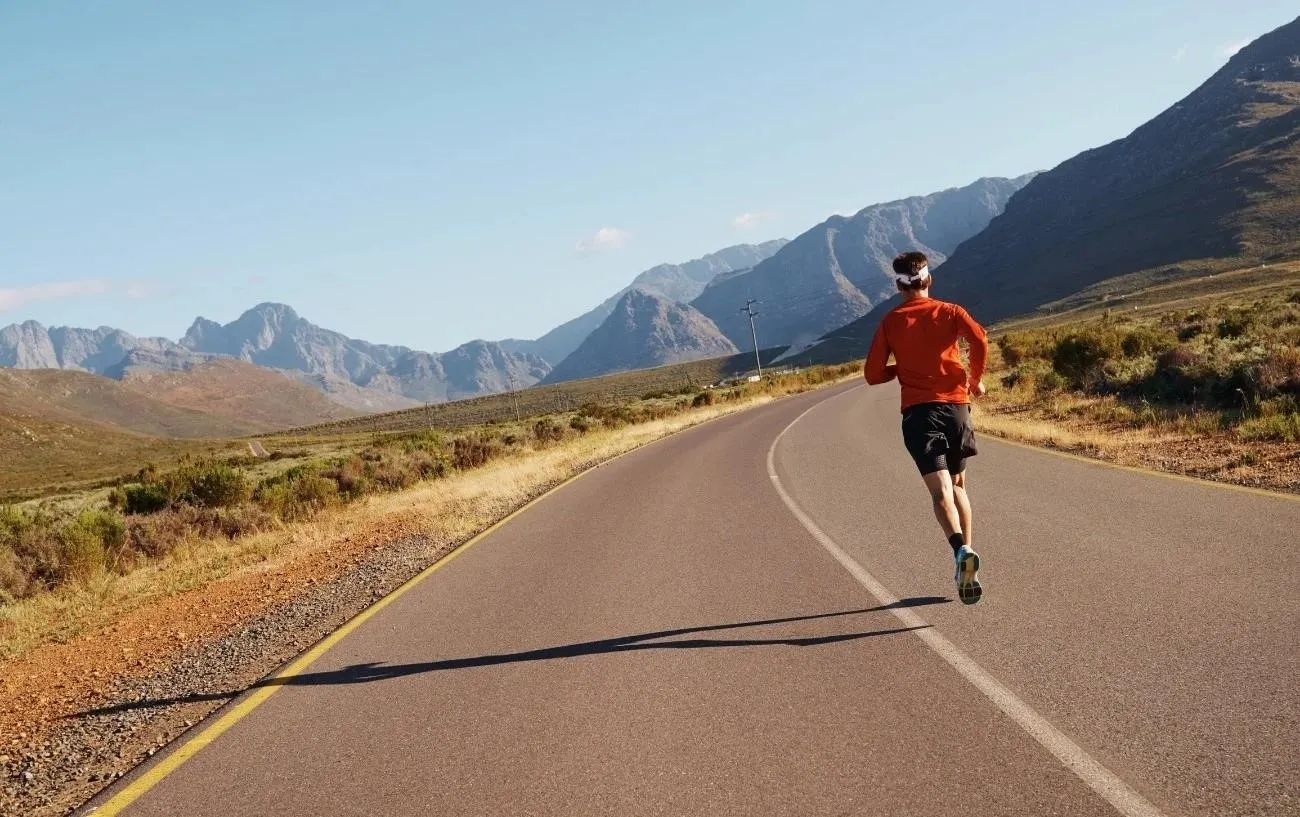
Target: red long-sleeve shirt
pixel 922 336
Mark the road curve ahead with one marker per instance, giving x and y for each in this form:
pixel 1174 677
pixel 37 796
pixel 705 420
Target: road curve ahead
pixel 683 632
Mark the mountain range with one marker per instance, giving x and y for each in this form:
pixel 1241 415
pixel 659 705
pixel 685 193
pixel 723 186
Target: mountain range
pixel 1211 183
pixel 644 329
pixel 676 282
pixel 835 272
pixel 361 375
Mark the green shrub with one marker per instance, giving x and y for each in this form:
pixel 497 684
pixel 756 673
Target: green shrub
pixel 145 497
pixel 351 476
pixel 213 485
pixel 298 498
pixel 1180 375
pixel 704 398
pixel 1147 341
pixel 1078 357
pixel 1273 428
pixel 32 551
pixel 611 416
pixel 1019 347
pixel 1235 325
pixel 40 551
pixel 88 542
pixel 580 424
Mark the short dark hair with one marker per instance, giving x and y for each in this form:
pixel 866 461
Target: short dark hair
pixel 910 263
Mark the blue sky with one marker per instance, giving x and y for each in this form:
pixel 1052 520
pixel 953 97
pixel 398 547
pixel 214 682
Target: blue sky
pixel 424 173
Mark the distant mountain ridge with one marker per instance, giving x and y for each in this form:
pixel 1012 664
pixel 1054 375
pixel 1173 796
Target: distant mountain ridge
pixel 275 336
pixel 357 374
pixel 643 330
pixel 1213 179
pixel 676 282
pixel 835 272
pixel 1211 183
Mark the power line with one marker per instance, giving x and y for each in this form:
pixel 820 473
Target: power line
pixel 749 310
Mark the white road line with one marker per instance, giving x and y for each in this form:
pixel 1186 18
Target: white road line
pixel 1100 779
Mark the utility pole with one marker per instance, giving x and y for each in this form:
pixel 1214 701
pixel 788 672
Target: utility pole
pixel 514 395
pixel 749 310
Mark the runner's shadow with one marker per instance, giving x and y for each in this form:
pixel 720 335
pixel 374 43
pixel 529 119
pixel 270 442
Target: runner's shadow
pixel 369 672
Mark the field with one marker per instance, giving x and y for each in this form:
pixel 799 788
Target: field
pixel 52 448
pixel 1200 377
pixel 679 378
pixel 147 515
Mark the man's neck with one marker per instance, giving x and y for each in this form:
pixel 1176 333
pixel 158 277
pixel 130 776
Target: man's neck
pixel 918 295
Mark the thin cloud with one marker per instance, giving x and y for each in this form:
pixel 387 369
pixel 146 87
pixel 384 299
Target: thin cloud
pixel 1230 49
pixel 139 290
pixel 748 221
pixel 1181 53
pixel 606 238
pixel 14 297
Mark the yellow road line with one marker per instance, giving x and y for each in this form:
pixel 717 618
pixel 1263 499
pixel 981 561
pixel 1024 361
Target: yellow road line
pixel 1150 472
pixel 142 784
pixel 191 747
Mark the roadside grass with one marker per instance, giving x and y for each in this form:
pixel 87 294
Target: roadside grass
pixel 49 459
pixel 1200 378
pixel 66 570
pixel 1231 366
pixel 624 387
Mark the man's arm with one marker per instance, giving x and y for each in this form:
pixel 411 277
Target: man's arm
pixel 876 369
pixel 979 346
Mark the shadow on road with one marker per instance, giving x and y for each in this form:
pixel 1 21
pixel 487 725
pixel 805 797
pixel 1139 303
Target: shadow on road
pixel 365 673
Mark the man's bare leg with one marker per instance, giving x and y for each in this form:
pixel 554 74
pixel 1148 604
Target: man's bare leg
pixel 944 495
pixel 962 500
pixel 944 499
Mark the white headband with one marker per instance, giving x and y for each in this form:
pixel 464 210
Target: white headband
pixel 914 278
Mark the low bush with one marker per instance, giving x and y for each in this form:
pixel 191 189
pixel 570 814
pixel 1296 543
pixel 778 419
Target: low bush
pixel 547 431
pixel 212 485
pixel 39 550
pixel 145 497
pixel 473 451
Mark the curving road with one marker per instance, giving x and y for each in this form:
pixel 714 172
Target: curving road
pixel 717 625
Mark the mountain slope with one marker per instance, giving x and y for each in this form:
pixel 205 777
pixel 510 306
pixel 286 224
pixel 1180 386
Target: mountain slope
pixel 275 336
pixel 1212 181
pixel 836 271
pixel 676 282
pixel 643 330
pixel 234 389
pixel 30 345
pixel 81 398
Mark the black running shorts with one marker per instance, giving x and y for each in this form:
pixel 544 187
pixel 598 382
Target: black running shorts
pixel 939 436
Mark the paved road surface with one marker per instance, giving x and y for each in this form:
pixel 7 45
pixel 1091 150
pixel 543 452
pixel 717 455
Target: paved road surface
pixel 666 637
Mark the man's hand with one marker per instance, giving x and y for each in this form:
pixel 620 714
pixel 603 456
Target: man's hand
pixel 977 388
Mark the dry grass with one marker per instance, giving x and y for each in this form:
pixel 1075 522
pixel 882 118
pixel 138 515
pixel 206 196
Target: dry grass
pixel 623 387
pixel 1195 380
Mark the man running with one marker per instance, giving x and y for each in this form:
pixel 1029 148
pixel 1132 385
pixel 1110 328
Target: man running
pixel 922 334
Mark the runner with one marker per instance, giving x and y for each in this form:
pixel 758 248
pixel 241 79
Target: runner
pixel 921 333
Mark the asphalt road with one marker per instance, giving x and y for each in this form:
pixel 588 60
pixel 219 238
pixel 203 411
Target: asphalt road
pixel 670 635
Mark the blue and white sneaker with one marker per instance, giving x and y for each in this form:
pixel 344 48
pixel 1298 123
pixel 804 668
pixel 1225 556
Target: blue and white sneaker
pixel 967 575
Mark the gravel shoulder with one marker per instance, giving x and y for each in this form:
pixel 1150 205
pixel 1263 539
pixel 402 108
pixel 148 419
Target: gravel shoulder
pixel 74 716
